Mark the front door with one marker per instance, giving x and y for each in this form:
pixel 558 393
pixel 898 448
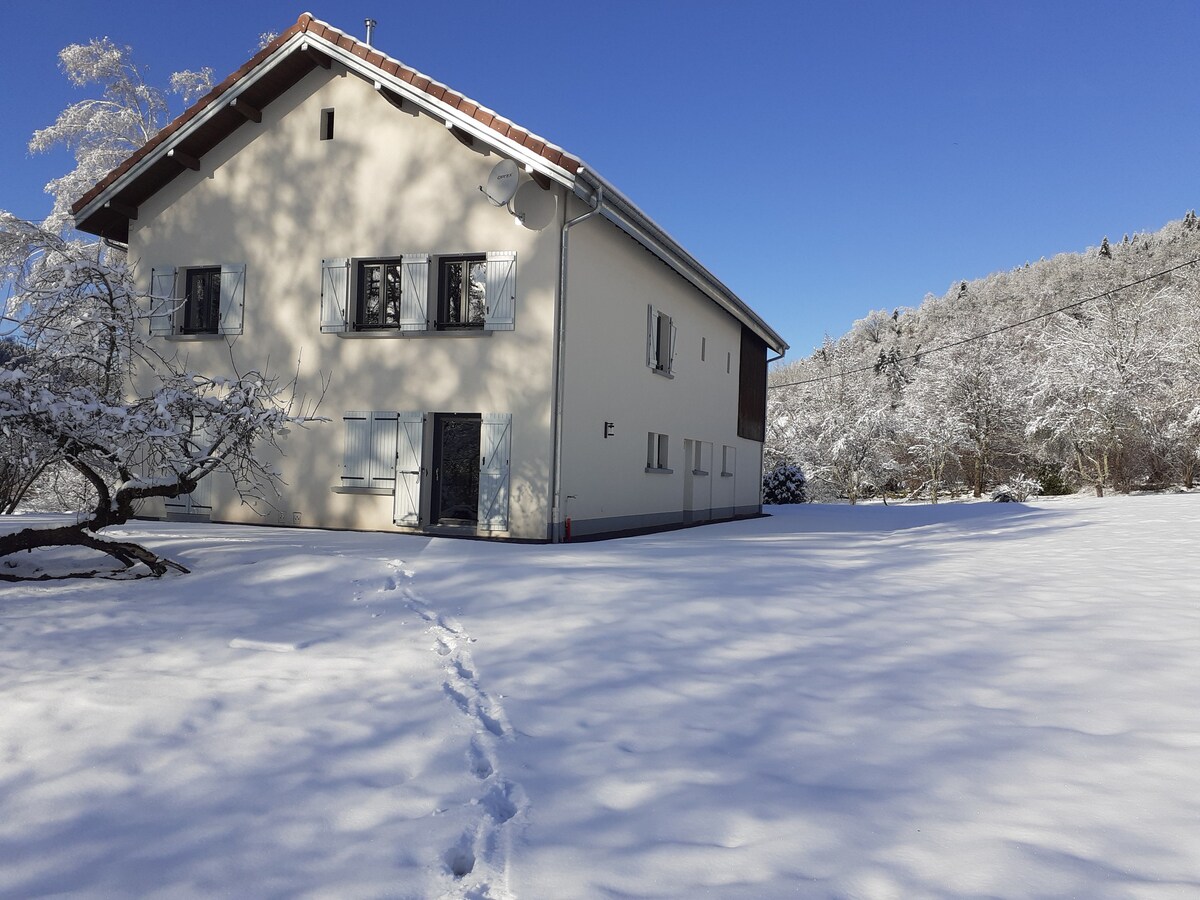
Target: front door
pixel 455 487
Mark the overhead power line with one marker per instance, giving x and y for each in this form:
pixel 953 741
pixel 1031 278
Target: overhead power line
pixel 985 334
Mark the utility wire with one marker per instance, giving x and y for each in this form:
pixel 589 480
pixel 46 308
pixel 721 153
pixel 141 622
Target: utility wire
pixel 982 335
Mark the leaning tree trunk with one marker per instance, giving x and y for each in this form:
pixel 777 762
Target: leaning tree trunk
pixel 111 509
pixel 128 554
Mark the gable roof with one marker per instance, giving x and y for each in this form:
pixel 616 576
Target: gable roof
pixel 107 208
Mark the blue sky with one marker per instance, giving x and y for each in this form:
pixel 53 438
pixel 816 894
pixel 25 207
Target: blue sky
pixel 823 159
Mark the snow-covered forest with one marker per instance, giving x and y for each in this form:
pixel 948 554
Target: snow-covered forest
pixel 1078 371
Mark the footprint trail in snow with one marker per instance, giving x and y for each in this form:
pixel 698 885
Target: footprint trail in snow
pixel 479 860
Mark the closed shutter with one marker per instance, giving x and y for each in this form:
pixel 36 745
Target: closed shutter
pixel 495 441
pixel 414 292
pixel 163 300
pixel 382 472
pixel 233 296
pixel 201 497
pixel 652 337
pixel 356 460
pixel 411 436
pixel 501 291
pixel 180 504
pixel 198 502
pixel 335 295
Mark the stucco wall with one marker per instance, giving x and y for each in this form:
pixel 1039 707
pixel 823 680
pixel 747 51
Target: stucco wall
pixel 275 197
pixel 612 281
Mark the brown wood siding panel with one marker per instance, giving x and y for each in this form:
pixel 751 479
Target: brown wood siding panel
pixel 752 387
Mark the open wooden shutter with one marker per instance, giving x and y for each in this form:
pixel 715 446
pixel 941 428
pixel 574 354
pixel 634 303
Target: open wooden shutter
pixel 335 295
pixel 383 450
pixel 163 300
pixel 652 337
pixel 406 508
pixel 414 292
pixel 495 441
pixel 670 366
pixel 356 459
pixel 501 291
pixel 233 296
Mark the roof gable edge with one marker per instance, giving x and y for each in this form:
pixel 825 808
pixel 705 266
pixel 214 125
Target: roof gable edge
pixel 501 143
pixel 166 139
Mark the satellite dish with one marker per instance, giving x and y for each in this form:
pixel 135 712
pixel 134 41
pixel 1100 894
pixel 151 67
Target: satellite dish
pixel 502 183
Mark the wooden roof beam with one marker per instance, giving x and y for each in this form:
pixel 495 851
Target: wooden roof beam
pixel 184 159
pixel 315 55
pixel 463 137
pixel 390 96
pixel 250 112
pixel 121 209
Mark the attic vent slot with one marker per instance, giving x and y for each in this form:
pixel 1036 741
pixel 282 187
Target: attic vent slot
pixel 327 124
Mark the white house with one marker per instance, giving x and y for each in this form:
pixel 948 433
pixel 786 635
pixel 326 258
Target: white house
pixel 573 373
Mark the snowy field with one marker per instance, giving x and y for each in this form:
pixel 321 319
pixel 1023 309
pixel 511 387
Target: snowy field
pixel 967 700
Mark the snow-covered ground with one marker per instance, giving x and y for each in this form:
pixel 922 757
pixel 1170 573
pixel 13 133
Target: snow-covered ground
pixel 967 700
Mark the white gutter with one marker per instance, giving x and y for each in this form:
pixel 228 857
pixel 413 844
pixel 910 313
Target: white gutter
pixel 560 345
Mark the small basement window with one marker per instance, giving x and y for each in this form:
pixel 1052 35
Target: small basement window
pixel 327 124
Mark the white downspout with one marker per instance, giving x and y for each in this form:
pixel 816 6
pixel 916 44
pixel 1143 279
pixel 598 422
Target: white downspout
pixel 560 329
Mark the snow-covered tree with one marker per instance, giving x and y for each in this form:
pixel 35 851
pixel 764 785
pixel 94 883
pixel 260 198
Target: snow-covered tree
pixel 101 132
pixel 132 422
pixel 1105 391
pixel 838 426
pixel 785 484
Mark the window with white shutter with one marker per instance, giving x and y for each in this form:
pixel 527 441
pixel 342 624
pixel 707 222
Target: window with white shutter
pixel 335 294
pixel 495 444
pixel 164 300
pixel 233 298
pixel 501 291
pixel 197 300
pixel 417 292
pixel 660 341
pixel 372 444
pixel 410 441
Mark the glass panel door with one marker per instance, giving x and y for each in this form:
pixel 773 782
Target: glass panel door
pixel 456 469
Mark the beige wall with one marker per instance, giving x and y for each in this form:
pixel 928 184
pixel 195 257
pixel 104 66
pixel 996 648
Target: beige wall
pixel 275 197
pixel 612 281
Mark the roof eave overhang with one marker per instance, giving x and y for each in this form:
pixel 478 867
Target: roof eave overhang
pixel 625 214
pixel 450 116
pixel 303 42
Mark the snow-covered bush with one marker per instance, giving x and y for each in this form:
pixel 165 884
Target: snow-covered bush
pixel 1017 489
pixel 785 484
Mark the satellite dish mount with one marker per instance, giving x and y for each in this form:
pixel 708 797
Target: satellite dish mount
pixel 502 185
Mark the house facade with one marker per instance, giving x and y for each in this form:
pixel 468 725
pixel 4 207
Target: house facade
pixel 551 366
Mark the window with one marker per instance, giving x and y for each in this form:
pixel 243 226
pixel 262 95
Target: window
pixel 703 347
pixel 656 452
pixel 728 460
pixel 461 478
pixel 327 124
pixel 202 301
pixel 197 300
pixel 471 292
pixel 660 341
pixel 369 457
pixel 462 291
pixel 379 294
